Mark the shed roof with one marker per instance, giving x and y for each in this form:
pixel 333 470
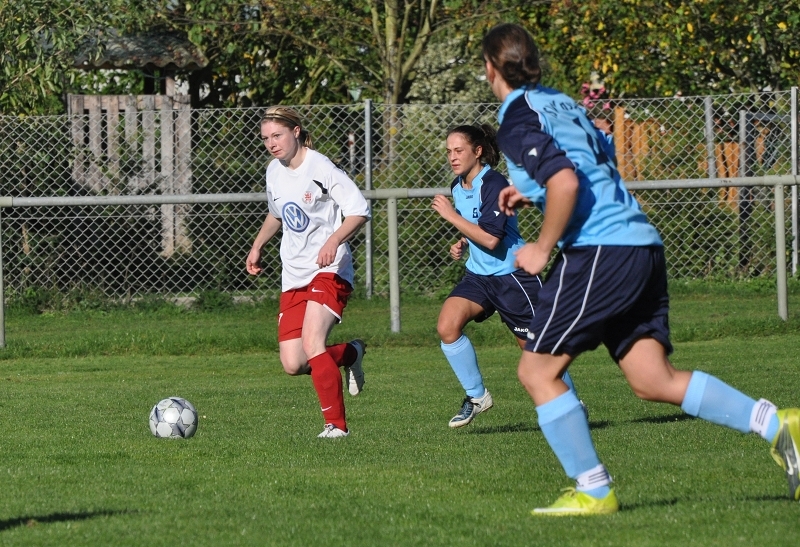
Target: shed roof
pixel 147 50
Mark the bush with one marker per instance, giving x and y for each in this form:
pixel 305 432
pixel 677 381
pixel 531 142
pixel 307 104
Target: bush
pixel 213 300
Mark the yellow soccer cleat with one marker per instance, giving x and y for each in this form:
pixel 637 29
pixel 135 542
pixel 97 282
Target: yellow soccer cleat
pixel 573 502
pixel 785 448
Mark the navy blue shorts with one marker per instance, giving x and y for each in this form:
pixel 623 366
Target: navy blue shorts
pixel 513 296
pixel 609 295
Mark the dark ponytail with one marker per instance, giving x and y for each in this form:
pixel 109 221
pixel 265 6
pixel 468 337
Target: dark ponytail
pixel 512 52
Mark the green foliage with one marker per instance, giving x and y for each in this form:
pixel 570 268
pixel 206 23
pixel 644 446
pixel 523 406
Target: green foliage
pixel 213 299
pixel 152 303
pixel 300 52
pixel 40 39
pixel 265 52
pixel 255 57
pixel 107 82
pixel 713 239
pixel 37 299
pixel 649 48
pixel 30 300
pixel 450 72
pixel 450 274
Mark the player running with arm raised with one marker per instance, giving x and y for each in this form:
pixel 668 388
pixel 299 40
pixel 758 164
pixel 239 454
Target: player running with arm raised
pixel 492 282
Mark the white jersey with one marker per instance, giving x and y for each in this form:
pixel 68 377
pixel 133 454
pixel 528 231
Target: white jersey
pixel 311 202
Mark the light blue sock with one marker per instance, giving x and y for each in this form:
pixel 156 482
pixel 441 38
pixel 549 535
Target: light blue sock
pixel 461 356
pixel 568 380
pixel 566 429
pixel 712 399
pixel 600 492
pixel 772 429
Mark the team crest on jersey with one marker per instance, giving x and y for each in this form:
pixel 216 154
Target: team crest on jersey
pixel 308 198
pixel 294 217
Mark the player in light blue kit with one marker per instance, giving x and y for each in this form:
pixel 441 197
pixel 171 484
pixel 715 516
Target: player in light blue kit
pixel 607 285
pixel 492 282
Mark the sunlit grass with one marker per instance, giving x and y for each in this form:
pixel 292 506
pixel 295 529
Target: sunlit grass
pixel 80 467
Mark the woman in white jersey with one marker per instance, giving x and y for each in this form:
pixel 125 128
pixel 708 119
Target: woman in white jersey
pixel 319 209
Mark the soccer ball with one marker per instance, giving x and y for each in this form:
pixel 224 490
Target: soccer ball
pixel 173 418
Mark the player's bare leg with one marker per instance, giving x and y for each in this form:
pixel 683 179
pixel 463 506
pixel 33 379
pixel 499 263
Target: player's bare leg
pixel 317 324
pixel 653 378
pixel 540 374
pixel 294 353
pixel 564 424
pixel 293 358
pixel 456 312
pixel 650 374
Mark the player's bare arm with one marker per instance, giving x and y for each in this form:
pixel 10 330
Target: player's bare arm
pixel 457 248
pixel 562 193
pixel 510 199
pixel 347 230
pixel 441 204
pixel 268 230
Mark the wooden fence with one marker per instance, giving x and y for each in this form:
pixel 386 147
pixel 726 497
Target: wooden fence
pixel 127 144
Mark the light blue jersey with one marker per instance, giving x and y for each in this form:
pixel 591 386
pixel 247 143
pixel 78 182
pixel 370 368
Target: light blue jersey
pixel 479 206
pixel 543 131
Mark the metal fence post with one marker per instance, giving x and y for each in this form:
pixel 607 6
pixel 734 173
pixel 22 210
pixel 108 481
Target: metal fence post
pixel 394 266
pixel 2 291
pixel 795 230
pixel 780 252
pixel 368 186
pixel 745 192
pixel 710 146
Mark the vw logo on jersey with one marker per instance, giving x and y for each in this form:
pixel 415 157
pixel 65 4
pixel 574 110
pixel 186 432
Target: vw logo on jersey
pixel 294 217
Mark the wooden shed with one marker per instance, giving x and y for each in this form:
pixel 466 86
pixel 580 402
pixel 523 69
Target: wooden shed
pixel 139 144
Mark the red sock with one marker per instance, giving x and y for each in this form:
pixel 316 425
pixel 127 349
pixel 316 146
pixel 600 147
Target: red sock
pixel 327 381
pixel 343 355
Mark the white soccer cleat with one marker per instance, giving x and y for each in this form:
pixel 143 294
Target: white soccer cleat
pixel 332 432
pixel 471 407
pixel 355 373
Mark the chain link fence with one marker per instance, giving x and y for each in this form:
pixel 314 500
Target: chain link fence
pixel 124 145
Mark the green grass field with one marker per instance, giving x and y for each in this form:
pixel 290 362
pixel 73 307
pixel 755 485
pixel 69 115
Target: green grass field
pixel 78 465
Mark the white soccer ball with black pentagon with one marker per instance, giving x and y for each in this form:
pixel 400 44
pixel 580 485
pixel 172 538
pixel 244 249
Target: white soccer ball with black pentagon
pixel 173 418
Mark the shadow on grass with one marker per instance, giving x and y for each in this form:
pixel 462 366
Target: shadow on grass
pixel 675 501
pixel 787 498
pixel 31 521
pixel 520 427
pixel 648 504
pixel 663 419
pixel 524 427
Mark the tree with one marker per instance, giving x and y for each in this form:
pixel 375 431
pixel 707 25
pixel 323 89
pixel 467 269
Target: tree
pixel 319 49
pixel 647 48
pixel 451 71
pixel 252 57
pixel 40 38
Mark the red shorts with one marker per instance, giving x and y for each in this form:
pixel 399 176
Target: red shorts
pixel 327 289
